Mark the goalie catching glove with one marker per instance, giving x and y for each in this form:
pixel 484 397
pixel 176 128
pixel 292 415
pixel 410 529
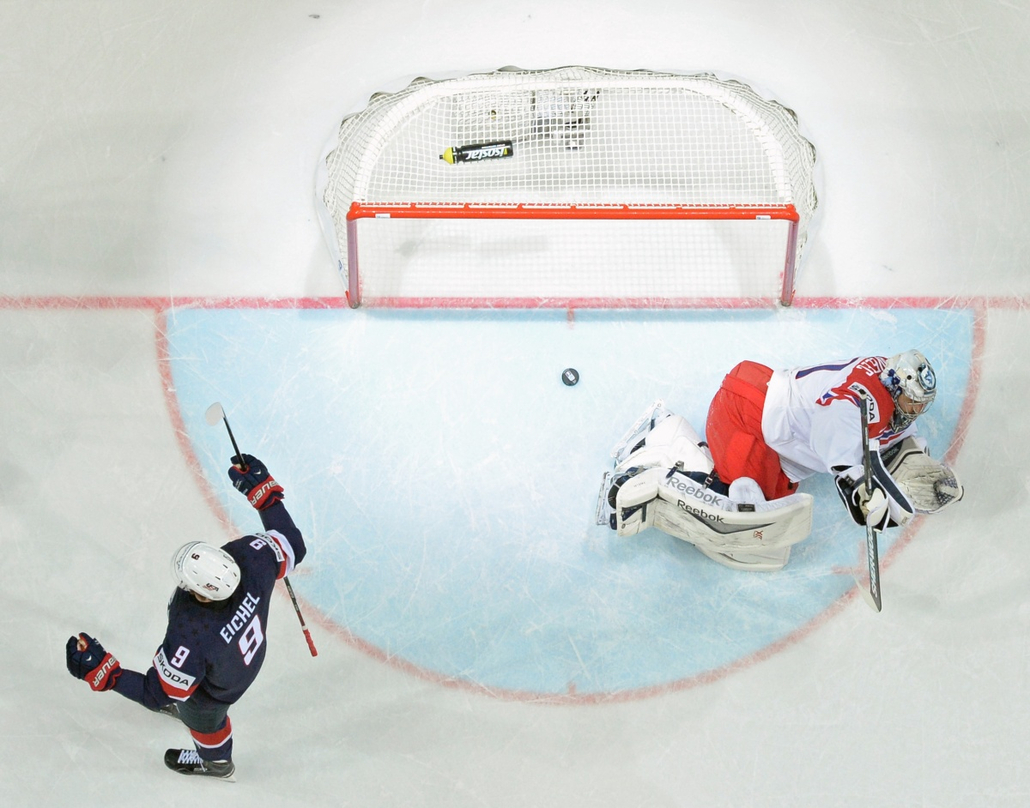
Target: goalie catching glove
pixel 87 660
pixel 929 485
pixel 251 478
pixel 908 480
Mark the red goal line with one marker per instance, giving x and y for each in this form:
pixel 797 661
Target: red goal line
pixel 163 303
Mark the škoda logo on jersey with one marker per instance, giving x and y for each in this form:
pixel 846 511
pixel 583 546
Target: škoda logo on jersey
pixel 173 676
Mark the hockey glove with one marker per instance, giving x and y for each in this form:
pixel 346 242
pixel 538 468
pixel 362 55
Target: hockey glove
pixel 252 479
pixel 88 660
pixel 929 485
pixel 865 509
pixel 873 507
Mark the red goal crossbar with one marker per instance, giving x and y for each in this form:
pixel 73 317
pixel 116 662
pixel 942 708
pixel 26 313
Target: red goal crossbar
pixel 552 212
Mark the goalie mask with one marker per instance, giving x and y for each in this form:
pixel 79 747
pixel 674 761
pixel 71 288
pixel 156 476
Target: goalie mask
pixel 910 380
pixel 205 570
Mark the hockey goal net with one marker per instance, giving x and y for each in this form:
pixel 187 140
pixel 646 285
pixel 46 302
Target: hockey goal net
pixel 573 187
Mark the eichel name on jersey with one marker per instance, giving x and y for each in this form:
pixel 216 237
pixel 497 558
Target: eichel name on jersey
pixel 212 652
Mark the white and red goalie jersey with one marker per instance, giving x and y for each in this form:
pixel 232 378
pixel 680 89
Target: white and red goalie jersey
pixel 812 418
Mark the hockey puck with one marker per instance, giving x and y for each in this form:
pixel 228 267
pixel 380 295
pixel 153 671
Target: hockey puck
pixel 569 377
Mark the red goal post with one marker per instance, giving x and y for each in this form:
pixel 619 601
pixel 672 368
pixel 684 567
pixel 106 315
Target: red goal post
pixel 576 187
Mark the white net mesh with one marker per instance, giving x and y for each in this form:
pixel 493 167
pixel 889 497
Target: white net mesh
pixel 678 149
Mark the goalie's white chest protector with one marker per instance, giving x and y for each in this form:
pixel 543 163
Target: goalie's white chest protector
pixel 811 417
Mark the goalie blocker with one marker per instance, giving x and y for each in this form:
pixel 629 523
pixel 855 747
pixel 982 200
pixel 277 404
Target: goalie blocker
pixel 663 479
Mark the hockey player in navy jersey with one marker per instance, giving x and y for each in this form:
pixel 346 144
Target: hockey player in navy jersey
pixel 216 637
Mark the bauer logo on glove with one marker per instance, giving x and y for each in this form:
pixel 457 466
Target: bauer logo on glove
pixel 251 478
pixel 88 660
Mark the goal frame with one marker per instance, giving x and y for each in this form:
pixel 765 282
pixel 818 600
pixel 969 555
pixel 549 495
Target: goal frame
pixel 404 279
pixel 359 211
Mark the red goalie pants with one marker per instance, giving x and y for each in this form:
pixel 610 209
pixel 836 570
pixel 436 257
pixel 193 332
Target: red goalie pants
pixel 734 432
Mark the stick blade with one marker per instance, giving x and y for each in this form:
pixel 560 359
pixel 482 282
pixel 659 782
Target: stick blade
pixel 867 596
pixel 214 414
pixel 868 581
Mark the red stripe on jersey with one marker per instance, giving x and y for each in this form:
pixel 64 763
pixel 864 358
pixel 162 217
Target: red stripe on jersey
pixel 174 692
pixel 865 377
pixel 884 411
pixel 210 740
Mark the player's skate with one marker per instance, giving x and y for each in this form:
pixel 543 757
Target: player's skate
pixel 171 710
pixel 187 761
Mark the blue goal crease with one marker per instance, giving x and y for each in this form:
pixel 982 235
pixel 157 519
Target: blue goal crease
pixel 447 477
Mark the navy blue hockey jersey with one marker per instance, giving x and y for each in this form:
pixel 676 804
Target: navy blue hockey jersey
pixel 217 648
pixel 212 652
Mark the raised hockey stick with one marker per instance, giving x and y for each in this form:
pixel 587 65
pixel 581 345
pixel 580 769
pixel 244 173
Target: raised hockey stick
pixel 871 592
pixel 213 415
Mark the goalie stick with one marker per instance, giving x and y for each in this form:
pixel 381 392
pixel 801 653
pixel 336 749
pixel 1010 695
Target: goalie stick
pixel 213 415
pixel 870 592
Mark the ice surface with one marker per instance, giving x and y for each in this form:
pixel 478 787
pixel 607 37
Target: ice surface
pixel 450 479
pixel 158 167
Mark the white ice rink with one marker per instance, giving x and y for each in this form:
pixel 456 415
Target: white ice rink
pixel 158 228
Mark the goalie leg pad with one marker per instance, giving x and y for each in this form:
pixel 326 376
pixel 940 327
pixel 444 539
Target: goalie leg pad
pixel 662 478
pixel 634 438
pixel 704 523
pixel 769 561
pixel 673 442
pixel 673 502
pixel 634 494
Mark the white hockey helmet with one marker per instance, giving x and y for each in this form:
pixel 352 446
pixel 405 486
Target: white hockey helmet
pixel 205 570
pixel 909 373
